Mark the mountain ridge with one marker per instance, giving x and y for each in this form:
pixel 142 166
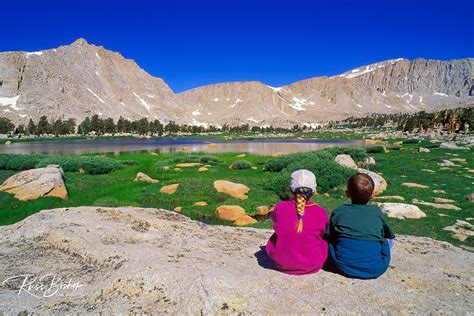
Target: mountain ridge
pixel 82 79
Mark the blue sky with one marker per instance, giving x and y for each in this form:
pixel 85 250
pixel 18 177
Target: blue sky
pixel 193 43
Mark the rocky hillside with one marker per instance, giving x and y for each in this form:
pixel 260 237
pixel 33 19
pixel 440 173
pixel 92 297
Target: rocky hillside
pixel 133 260
pixel 81 79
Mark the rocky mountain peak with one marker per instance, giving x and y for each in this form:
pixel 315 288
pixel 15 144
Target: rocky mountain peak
pixel 80 42
pixel 82 79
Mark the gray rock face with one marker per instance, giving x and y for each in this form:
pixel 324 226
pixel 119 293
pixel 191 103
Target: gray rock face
pixel 80 80
pixel 133 260
pixel 35 183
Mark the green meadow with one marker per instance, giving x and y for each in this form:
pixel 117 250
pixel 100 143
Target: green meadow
pixel 117 188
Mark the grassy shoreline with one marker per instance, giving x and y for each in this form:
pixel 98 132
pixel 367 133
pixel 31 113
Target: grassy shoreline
pixel 118 188
pixel 222 136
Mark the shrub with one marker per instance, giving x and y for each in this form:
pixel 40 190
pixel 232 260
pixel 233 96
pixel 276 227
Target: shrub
pixel 394 147
pixel 279 163
pixel 205 159
pixel 241 164
pixel 90 164
pixel 432 145
pixel 377 149
pixel 356 153
pixel 329 174
pixel 19 162
pixel 410 141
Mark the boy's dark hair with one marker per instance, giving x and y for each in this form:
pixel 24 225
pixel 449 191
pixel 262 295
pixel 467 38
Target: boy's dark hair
pixel 360 187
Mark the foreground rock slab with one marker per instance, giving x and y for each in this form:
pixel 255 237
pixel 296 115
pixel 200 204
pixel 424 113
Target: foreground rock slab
pixel 35 183
pixel 136 260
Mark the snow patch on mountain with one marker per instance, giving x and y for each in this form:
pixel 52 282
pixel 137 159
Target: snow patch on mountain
pixel 251 119
pixel 276 89
pixel 358 72
pixel 6 101
pixel 97 55
pixel 299 102
pixel 95 95
pixel 143 102
pixel 196 113
pixel 441 94
pixel 28 55
pixel 235 103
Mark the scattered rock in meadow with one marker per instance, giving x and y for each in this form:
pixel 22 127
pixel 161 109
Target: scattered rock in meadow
pixel 202 169
pixel 452 146
pixel 145 178
pixel 461 229
pixel 372 141
pixel 401 210
pixel 277 155
pixel 439 191
pixel 380 182
pixel 346 161
pixel 166 168
pixel 254 168
pixel 8 142
pixel 245 220
pixel 230 212
pixel 263 210
pixel 201 203
pixel 177 169
pixel 423 150
pixel 81 170
pixel 236 190
pixel 240 156
pixel 35 183
pixel 443 200
pixel 428 170
pixel 399 143
pixel 178 209
pixel 169 189
pixel 414 185
pixel 442 215
pixel 447 163
pixel 326 194
pixel 461 160
pixel 187 164
pixel 153 153
pixel 390 197
pixel 470 198
pixel 437 205
pixel 368 161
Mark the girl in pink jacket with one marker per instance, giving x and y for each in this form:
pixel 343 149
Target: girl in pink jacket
pixel 297 246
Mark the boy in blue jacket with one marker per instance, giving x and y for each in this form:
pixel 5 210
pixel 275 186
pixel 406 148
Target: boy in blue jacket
pixel 359 238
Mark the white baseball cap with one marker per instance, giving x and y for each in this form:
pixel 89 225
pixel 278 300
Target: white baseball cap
pixel 302 178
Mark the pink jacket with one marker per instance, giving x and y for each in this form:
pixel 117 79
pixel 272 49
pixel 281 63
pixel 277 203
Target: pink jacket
pixel 295 253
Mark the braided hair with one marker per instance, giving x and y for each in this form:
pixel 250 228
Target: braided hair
pixel 301 196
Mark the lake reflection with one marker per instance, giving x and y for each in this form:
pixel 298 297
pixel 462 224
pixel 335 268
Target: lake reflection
pixel 170 145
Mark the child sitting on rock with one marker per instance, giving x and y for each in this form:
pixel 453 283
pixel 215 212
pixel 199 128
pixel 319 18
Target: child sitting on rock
pixel 297 246
pixel 358 245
